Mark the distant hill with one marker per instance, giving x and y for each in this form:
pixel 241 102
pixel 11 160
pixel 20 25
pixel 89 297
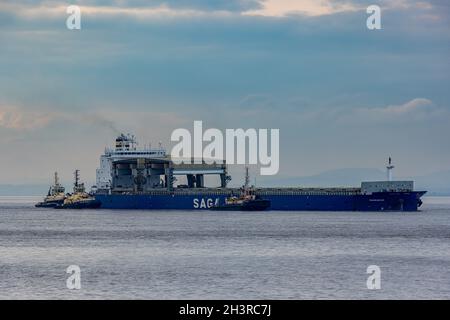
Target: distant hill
pixel 332 178
pixel 23 190
pixel 436 184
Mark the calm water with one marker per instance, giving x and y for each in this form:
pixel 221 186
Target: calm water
pixel 209 255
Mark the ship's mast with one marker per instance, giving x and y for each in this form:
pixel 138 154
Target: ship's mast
pixel 57 187
pixel 389 168
pixel 78 187
pixel 77 177
pixel 247 178
pixel 56 179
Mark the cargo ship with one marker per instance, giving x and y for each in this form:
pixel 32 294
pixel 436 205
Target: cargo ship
pixel 144 178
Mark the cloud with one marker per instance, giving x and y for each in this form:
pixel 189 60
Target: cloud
pixel 18 123
pixel 281 8
pixel 319 77
pixel 137 9
pixel 418 109
pixel 23 120
pixel 164 9
pixel 313 115
pixel 203 5
pixel 58 10
pixel 413 106
pixel 192 8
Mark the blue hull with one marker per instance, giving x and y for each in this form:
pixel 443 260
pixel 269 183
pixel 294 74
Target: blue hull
pixel 381 201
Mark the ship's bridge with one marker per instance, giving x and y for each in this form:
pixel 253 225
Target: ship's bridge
pixel 125 148
pixel 141 153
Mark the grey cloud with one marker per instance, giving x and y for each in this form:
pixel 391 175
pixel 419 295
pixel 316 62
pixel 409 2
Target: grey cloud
pixel 204 5
pixel 413 111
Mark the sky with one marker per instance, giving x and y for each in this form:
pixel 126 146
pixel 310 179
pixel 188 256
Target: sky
pixel 342 96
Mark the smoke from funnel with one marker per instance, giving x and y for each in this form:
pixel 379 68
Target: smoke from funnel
pixel 103 122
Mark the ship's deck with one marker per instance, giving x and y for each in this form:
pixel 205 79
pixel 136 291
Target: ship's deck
pixel 234 191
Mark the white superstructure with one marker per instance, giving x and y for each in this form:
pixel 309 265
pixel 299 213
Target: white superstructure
pixel 125 148
pixel 389 168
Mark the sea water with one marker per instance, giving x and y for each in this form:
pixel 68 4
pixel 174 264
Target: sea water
pixel 137 254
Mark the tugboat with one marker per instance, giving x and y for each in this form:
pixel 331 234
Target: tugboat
pixel 80 199
pixel 243 203
pixel 247 201
pixel 55 195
